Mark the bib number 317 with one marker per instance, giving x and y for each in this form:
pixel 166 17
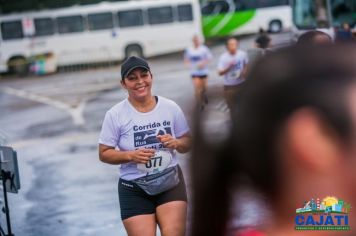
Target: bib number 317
pixel 158 162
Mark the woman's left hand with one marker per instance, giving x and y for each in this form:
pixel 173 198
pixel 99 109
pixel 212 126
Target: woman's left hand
pixel 168 141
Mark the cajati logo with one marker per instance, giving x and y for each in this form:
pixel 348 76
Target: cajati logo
pixel 329 213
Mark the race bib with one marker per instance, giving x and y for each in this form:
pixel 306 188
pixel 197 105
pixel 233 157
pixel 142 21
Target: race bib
pixel 234 75
pixel 196 67
pixel 160 161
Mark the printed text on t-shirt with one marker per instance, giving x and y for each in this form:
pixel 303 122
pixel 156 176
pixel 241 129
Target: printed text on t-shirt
pixel 147 134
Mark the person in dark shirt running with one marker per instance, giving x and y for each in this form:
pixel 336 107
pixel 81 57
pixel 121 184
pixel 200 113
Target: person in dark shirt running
pixel 263 40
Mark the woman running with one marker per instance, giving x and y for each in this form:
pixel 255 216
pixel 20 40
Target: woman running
pixel 197 58
pixel 142 134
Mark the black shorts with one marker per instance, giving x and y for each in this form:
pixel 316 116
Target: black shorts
pixel 134 201
pixel 199 76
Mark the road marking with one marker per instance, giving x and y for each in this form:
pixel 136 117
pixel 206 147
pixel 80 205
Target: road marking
pixel 222 106
pixel 75 111
pixel 65 140
pixel 80 88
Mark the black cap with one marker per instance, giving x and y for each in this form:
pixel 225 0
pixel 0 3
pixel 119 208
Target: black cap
pixel 132 63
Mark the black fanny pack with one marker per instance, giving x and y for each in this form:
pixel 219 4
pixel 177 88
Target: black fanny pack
pixel 157 183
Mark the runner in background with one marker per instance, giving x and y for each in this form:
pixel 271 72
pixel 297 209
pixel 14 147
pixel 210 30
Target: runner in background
pixel 142 134
pixel 263 40
pixel 197 58
pixel 344 33
pixel 262 45
pixel 232 66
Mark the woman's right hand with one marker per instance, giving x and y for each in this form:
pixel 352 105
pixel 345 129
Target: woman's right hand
pixel 142 155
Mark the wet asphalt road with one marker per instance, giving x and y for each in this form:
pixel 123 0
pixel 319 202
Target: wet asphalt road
pixel 53 122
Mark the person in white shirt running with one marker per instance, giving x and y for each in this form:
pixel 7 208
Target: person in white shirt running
pixel 197 58
pixel 143 134
pixel 233 65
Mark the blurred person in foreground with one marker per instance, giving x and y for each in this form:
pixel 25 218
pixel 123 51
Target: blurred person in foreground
pixel 143 134
pixel 232 66
pixel 314 37
pixel 293 138
pixel 197 58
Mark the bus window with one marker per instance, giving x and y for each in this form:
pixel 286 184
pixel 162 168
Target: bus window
pixel 343 12
pixel 44 26
pixel 255 4
pixel 216 7
pixel 304 14
pixel 271 3
pixel 100 21
pixel 249 4
pixel 130 18
pixel 185 12
pixel 70 24
pixel 160 15
pixel 11 30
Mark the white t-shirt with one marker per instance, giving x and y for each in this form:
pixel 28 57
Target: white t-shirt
pixel 127 129
pixel 196 56
pixel 233 76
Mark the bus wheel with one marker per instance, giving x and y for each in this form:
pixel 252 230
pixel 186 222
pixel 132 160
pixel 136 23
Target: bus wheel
pixel 133 50
pixel 18 66
pixel 275 26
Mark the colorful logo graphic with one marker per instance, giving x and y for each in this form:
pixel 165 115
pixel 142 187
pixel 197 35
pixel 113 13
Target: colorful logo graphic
pixel 330 213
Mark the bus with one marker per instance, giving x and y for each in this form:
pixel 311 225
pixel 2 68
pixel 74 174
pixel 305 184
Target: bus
pixel 324 15
pixel 100 32
pixel 235 17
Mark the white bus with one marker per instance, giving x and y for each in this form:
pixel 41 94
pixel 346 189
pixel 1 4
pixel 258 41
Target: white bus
pixel 99 32
pixel 233 17
pixel 323 15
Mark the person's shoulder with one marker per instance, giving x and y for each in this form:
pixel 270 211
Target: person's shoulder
pixel 242 53
pixel 118 108
pixel 262 38
pixel 203 46
pixel 191 48
pixel 166 102
pixel 188 49
pixel 224 55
